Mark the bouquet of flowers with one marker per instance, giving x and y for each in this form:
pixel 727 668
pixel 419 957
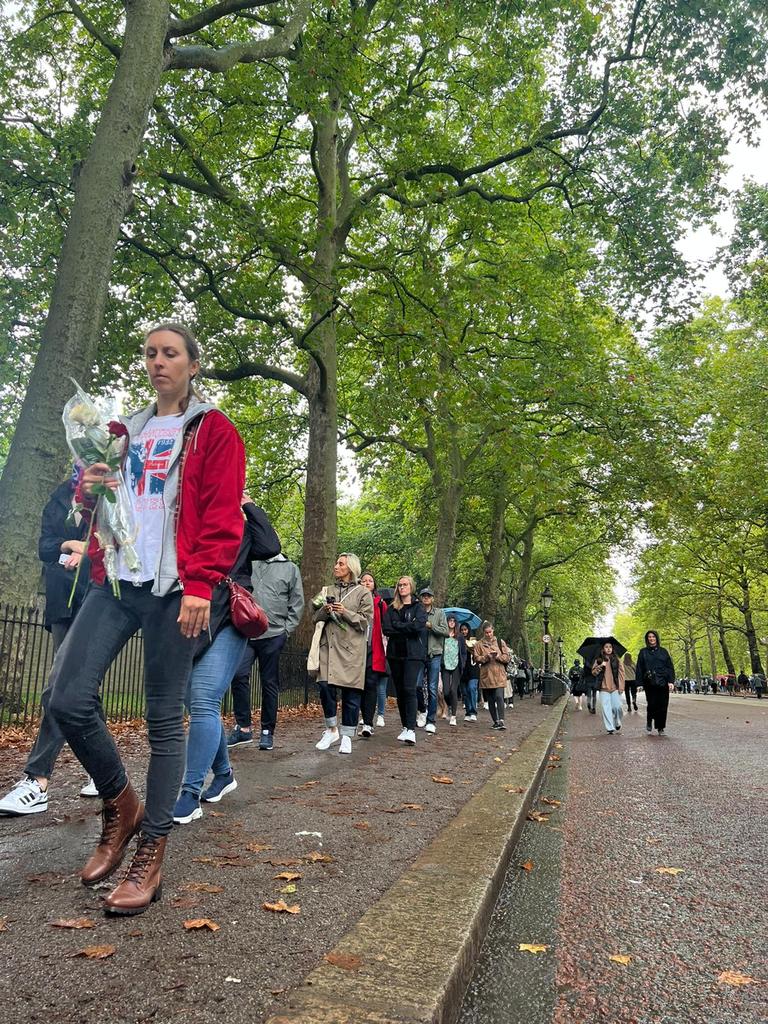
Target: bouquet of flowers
pixel 322 598
pixel 92 438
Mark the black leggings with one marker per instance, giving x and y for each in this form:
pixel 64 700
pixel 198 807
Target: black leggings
pixel 630 692
pixel 658 703
pixel 495 699
pixel 451 677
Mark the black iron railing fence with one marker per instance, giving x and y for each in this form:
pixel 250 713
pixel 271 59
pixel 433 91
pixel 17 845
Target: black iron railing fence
pixel 26 653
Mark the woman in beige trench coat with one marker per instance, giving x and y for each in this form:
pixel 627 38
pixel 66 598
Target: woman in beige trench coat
pixel 347 612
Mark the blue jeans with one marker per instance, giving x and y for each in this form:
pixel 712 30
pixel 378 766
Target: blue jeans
pixel 381 697
pixel 207 741
pixel 433 680
pixel 610 706
pixel 351 699
pixel 469 689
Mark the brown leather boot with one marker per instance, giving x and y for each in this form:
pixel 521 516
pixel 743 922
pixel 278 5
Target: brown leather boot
pixel 143 883
pixel 121 820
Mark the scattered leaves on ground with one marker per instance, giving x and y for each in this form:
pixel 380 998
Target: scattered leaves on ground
pixel 199 923
pixel 281 907
pixel 346 961
pixel 514 789
pixel 551 803
pixel 532 947
pixel 97 952
pixel 73 922
pixel 308 785
pixel 498 760
pixel 184 902
pixel 288 876
pixel 257 847
pixel 285 863
pixel 735 978
pixel 3 924
pixel 444 780
pixel 620 958
pixel 651 841
pixel 315 857
pixel 668 871
pixel 362 825
pixel 202 887
pixel 537 816
pixel 527 865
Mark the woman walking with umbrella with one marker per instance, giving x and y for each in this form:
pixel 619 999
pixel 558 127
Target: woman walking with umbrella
pixel 657 674
pixel 609 673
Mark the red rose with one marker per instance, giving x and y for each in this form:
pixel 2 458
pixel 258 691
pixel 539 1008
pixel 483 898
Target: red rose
pixel 117 429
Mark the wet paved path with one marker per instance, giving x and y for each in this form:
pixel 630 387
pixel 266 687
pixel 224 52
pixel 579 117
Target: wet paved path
pixel 696 800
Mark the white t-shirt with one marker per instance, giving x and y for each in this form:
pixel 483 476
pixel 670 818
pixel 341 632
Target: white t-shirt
pixel 146 467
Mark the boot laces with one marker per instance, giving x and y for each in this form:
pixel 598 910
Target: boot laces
pixel 143 859
pixel 110 822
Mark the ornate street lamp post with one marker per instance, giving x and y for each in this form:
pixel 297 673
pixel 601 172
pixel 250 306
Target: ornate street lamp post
pixel 546 603
pixel 560 657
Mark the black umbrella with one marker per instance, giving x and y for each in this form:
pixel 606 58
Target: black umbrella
pixel 592 645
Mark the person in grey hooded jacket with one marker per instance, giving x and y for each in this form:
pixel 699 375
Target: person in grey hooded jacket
pixel 277 588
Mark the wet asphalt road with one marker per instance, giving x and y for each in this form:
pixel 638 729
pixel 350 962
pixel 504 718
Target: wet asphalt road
pixel 696 800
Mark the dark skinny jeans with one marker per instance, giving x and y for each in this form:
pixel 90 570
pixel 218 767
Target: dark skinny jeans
pixel 495 699
pixel 451 678
pixel 101 629
pixel 266 651
pixel 406 677
pixel 630 692
pixel 371 691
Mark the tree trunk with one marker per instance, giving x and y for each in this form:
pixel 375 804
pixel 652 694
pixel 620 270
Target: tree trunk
pixel 518 598
pixel 449 500
pixel 320 518
pixel 723 641
pixel 687 650
pixel 71 333
pixel 749 627
pixel 490 597
pixel 712 658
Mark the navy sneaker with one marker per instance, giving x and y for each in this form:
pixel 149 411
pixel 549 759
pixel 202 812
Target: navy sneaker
pixel 221 785
pixel 187 808
pixel 265 740
pixel 238 737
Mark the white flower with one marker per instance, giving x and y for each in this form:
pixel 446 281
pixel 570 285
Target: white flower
pixel 85 414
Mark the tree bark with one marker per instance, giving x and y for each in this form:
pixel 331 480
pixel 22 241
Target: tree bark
pixel 518 597
pixel 723 640
pixel 749 626
pixel 449 501
pixel 712 658
pixel 70 337
pixel 490 598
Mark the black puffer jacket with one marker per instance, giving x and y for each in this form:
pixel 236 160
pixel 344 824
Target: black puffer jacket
pixel 406 628
pixel 54 530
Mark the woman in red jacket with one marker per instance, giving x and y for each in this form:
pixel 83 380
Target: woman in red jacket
pixel 185 473
pixel 376 661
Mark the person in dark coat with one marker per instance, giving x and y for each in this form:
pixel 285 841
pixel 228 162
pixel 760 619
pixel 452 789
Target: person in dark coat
pixel 61 548
pixel 656 672
pixel 405 623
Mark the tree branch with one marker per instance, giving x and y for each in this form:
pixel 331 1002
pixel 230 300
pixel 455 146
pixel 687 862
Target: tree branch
pixel 257 369
pixel 217 60
pixel 188 26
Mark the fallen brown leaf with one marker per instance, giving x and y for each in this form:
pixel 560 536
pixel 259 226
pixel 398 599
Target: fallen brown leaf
pixel 217 814
pixel 735 978
pixel 315 857
pixel 528 947
pixel 413 807
pixel 257 847
pixel 201 923
pixel 281 907
pixel 514 789
pixel 202 887
pixel 558 746
pixel 445 780
pixel 668 871
pixel 288 876
pixel 362 825
pixel 551 803
pixel 620 958
pixel 97 952
pixel 652 841
pixel 527 865
pixel 497 760
pixel 184 902
pixel 282 863
pixel 73 922
pixel 3 924
pixel 537 816
pixel 346 961
pixel 308 785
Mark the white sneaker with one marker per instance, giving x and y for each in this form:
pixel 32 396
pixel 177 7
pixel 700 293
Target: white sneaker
pixel 379 721
pixel 403 735
pixel 410 737
pixel 89 789
pixel 471 718
pixel 345 747
pixel 485 705
pixel 26 797
pixel 453 720
pixel 329 737
pixel 366 732
pixel 430 727
pixel 421 719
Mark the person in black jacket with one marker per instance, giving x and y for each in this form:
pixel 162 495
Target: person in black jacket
pixel 656 673
pixel 405 623
pixel 61 548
